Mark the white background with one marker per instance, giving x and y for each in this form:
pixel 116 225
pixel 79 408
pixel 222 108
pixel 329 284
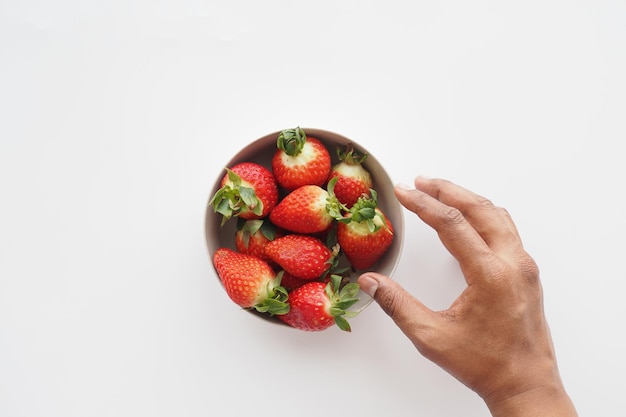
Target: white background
pixel 117 117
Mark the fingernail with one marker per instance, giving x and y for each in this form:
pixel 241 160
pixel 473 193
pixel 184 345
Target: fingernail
pixel 403 186
pixel 424 177
pixel 368 284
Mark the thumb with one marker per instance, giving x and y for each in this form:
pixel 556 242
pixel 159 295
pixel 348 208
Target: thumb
pixel 409 314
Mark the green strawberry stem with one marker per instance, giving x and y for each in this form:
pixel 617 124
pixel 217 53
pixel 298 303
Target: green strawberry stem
pixel 276 301
pixel 333 206
pixel 350 156
pixel 291 141
pixel 364 211
pixel 232 198
pixel 250 227
pixel 342 298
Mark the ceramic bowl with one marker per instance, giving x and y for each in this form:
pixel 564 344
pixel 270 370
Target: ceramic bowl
pixel 261 151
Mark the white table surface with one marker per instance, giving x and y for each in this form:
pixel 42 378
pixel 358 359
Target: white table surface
pixel 116 118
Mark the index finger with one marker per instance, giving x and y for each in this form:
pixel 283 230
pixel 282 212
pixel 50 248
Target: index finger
pixel 456 233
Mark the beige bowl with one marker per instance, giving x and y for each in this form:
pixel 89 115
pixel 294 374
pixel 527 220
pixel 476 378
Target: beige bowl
pixel 261 151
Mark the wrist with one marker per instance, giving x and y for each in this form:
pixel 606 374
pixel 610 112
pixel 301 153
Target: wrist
pixel 546 400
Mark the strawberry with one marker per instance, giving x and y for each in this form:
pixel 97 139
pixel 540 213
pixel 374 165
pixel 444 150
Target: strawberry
pixel 365 233
pixel 316 305
pixel 353 180
pixel 252 236
pixel 300 160
pixel 303 256
pixel 304 210
pixel 248 190
pixel 250 282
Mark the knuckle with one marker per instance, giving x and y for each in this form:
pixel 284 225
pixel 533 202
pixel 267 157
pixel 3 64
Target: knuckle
pixel 484 203
pixel 389 301
pixel 529 270
pixel 521 268
pixel 453 215
pixel 504 212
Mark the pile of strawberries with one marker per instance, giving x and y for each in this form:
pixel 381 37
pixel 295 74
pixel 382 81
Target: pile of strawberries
pixel 295 222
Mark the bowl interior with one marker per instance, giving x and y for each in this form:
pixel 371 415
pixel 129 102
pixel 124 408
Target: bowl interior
pixel 261 151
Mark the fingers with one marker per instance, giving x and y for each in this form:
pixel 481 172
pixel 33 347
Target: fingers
pixel 455 232
pixel 493 224
pixel 409 314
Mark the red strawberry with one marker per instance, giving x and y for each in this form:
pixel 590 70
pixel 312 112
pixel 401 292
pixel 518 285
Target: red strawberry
pixel 304 210
pixel 365 233
pixel 248 190
pixel 252 236
pixel 300 160
pixel 250 282
pixel 316 305
pixel 302 256
pixel 353 180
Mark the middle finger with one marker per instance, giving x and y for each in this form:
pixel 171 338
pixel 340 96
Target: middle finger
pixel 492 223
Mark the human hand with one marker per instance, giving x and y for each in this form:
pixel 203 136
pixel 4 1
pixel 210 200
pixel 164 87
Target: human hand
pixel 494 338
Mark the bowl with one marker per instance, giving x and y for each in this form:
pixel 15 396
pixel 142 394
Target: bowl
pixel 261 151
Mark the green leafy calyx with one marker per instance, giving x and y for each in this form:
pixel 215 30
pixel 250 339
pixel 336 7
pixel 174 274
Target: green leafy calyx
pixel 275 302
pixel 365 211
pixel 234 197
pixel 291 141
pixel 350 155
pixel 342 297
